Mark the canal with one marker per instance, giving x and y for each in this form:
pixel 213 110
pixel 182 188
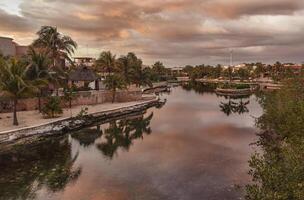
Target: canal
pixel 194 147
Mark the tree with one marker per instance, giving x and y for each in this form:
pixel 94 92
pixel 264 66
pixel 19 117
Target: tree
pixel 106 62
pixel 277 170
pixel 52 108
pixel 127 65
pixel 69 95
pixel 13 82
pixel 38 72
pixel 243 73
pixel 114 82
pixel 142 77
pixel 59 45
pixel 188 69
pixel 159 69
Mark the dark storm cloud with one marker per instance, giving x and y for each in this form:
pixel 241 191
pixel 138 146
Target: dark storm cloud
pixel 175 31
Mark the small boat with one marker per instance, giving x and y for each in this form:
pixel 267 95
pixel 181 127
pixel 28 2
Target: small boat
pixel 236 92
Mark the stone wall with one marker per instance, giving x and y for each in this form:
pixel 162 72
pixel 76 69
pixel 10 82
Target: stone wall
pixel 68 124
pixel 83 98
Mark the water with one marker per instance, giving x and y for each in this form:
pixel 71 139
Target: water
pixel 195 147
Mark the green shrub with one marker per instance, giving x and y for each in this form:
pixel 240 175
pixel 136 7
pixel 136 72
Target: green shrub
pixel 52 108
pixel 83 112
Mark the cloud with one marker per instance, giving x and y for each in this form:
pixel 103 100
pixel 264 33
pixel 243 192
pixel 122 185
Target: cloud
pixel 178 32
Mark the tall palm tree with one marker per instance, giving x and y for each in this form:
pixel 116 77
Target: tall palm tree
pixel 125 68
pixel 38 72
pixel 106 62
pixel 141 77
pixel 114 82
pixel 59 45
pixel 13 82
pixel 127 65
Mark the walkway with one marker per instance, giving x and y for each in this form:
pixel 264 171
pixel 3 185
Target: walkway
pixel 34 118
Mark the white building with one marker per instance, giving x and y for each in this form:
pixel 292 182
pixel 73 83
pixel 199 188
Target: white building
pixel 10 48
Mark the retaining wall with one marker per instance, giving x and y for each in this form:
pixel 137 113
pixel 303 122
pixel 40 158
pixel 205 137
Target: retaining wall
pixel 74 123
pixel 82 98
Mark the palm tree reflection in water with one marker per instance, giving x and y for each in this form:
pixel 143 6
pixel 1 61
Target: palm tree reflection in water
pixel 119 134
pixel 122 133
pixel 234 105
pixel 43 164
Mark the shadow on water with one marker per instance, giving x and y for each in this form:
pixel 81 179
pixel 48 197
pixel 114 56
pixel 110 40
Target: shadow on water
pixel 44 164
pixel 199 88
pixel 236 105
pixel 231 105
pixel 48 163
pixel 122 133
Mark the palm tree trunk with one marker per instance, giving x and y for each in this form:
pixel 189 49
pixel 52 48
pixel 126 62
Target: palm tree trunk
pixel 39 104
pixel 15 123
pixel 39 101
pixel 114 93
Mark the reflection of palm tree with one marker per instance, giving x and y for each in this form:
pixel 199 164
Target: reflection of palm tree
pixel 87 137
pixel 140 126
pixel 28 168
pixel 234 107
pixel 242 107
pixel 228 108
pixel 120 134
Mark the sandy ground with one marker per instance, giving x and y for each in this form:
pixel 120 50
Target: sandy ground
pixel 34 118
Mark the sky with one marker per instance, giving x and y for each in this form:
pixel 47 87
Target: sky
pixel 175 32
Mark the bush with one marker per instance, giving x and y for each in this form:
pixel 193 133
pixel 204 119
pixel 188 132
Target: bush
pixel 52 108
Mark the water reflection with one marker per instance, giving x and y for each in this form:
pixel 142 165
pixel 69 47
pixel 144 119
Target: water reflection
pixel 44 164
pixel 191 150
pixel 199 87
pixel 235 106
pixel 87 136
pixel 121 133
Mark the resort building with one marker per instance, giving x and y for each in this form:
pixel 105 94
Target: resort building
pixel 84 78
pixel 10 48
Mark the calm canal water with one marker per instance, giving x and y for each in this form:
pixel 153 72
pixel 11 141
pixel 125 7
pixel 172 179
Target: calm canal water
pixel 194 147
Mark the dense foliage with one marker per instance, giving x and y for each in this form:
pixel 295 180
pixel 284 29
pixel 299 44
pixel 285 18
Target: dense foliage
pixel 278 170
pixel 52 107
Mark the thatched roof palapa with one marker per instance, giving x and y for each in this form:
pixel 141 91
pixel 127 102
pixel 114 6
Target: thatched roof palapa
pixel 83 73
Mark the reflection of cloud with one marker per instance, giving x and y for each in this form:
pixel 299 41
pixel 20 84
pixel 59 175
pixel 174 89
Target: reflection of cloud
pixel 178 32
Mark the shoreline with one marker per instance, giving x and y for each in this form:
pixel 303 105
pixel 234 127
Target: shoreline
pixel 65 124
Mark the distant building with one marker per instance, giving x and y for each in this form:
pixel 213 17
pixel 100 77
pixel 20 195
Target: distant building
pixel 10 48
pixel 83 76
pixel 87 61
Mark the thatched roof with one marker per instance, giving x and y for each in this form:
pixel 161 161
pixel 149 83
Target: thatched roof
pixel 83 73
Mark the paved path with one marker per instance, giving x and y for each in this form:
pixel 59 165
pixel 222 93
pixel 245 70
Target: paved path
pixel 34 118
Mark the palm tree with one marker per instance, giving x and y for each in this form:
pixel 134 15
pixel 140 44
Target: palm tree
pixel 124 65
pixel 13 82
pixel 59 45
pixel 106 62
pixel 141 77
pixel 127 65
pixel 159 68
pixel 114 82
pixel 38 72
